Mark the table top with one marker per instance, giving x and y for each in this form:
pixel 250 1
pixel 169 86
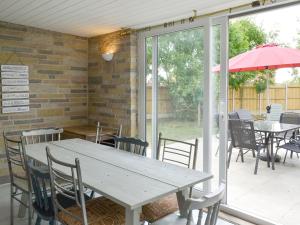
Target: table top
pixel 126 178
pixel 273 126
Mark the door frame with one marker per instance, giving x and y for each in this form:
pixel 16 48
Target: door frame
pixel 206 23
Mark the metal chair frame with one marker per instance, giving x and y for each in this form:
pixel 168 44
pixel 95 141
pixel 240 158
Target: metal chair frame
pixel 243 137
pixel 210 201
pixel 185 154
pixel 74 191
pixel 39 179
pixel 102 137
pixel 133 145
pixel 15 158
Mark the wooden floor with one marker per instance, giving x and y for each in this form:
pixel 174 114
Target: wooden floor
pixel 170 220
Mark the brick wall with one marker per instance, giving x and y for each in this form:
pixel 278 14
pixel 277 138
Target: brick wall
pixel 113 85
pixel 58 65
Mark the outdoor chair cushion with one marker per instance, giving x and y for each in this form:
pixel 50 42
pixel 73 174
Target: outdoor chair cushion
pixel 160 208
pixel 100 211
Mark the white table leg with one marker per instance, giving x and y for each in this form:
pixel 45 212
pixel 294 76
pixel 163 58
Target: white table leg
pixel 133 216
pixel 181 197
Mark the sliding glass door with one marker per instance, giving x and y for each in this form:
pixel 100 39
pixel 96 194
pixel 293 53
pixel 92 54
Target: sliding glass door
pixel 180 96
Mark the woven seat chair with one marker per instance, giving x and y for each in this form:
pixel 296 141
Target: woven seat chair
pixel 98 211
pixel 18 173
pixel 133 145
pixel 243 137
pixel 106 135
pixel 185 155
pixel 210 201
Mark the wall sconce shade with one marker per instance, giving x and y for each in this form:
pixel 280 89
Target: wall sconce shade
pixel 107 56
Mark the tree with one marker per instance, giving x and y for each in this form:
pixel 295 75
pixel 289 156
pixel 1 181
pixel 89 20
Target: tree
pixel 181 59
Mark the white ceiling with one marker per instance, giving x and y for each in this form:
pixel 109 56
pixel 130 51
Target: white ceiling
pixel 93 17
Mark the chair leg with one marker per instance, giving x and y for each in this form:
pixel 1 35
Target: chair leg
pixel 285 156
pixel 38 221
pixel 11 205
pixel 256 163
pixel 29 208
pixel 242 154
pixel 229 156
pixel 253 153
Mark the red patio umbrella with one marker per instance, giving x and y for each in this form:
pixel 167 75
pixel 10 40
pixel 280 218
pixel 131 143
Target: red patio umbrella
pixel 268 56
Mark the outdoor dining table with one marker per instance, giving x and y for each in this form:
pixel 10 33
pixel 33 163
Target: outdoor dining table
pixel 270 128
pixel 128 179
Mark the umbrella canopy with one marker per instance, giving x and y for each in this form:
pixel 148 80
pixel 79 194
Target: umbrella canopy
pixel 269 56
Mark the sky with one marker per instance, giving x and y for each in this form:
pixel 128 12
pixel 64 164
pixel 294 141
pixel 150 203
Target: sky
pixel 285 21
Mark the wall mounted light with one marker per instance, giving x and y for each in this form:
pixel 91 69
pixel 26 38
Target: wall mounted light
pixel 108 56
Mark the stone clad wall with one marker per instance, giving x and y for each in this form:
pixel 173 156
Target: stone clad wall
pixel 70 83
pixel 58 75
pixel 113 85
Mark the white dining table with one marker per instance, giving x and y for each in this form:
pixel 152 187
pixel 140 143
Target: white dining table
pixel 128 179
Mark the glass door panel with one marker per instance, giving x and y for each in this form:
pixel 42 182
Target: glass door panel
pixel 180 86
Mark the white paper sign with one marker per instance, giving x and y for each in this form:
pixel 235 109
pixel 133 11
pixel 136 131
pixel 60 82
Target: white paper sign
pixel 15 88
pixel 14 68
pixel 15 95
pixel 15 82
pixel 15 109
pixel 16 74
pixel 15 102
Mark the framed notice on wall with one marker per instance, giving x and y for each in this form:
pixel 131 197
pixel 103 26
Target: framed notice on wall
pixel 15 88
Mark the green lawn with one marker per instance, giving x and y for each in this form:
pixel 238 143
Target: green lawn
pixel 176 129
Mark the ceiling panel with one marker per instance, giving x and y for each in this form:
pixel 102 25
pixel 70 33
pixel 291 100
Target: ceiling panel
pixel 94 17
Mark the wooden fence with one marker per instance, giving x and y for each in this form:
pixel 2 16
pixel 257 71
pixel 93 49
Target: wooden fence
pixel 247 98
pixel 286 95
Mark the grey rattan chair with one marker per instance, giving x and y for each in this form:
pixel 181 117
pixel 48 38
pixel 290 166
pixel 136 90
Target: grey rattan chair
pixel 243 137
pixel 289 118
pixel 210 201
pixel 244 114
pixel 19 179
pixel 105 135
pixel 42 135
pixel 231 116
pixel 293 145
pixel 133 145
pixel 99 211
pixel 175 152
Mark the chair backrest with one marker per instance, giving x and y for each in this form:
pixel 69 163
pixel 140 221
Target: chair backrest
pixel 290 118
pixel 276 110
pixel 244 114
pixel 42 135
pixel 69 185
pixel 39 177
pixel 105 135
pixel 242 134
pixel 15 158
pixel 177 152
pixel 233 116
pixel 210 201
pixel 133 145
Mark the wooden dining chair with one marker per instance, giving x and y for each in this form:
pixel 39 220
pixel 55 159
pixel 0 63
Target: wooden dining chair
pixel 175 152
pixel 105 135
pixel 18 173
pixel 133 145
pixel 211 202
pixel 42 135
pixel 97 211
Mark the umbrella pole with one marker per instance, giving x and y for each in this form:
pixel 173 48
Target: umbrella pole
pixel 268 91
